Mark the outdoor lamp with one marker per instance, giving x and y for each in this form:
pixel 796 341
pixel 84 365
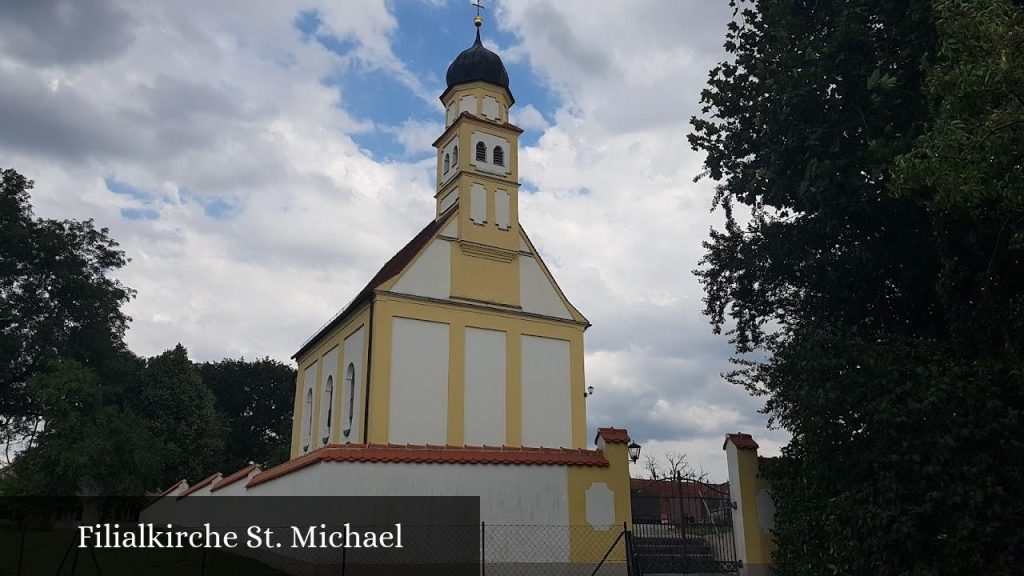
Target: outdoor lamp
pixel 634 451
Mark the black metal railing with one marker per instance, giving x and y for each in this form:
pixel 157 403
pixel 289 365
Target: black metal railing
pixel 683 527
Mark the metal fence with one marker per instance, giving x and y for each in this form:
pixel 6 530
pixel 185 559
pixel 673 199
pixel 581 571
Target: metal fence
pixel 481 550
pixel 683 526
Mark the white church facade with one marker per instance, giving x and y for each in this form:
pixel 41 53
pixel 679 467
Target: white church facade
pixel 459 368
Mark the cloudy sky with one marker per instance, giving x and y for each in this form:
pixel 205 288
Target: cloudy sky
pixel 259 160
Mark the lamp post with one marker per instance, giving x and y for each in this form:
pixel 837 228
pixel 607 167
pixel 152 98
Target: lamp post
pixel 634 451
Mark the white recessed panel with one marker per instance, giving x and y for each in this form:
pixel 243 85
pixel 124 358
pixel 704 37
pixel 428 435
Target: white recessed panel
pixel 490 106
pixel 502 209
pixel 419 382
pixel 328 395
pixel 485 387
pixel 477 204
pixel 546 392
pixel 352 402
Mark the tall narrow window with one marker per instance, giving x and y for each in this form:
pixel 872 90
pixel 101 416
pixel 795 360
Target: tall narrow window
pixel 499 156
pixel 329 397
pixel 447 163
pixel 455 157
pixel 481 152
pixel 309 420
pixel 350 390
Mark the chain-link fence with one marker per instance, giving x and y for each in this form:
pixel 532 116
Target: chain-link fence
pixel 484 549
pixel 530 550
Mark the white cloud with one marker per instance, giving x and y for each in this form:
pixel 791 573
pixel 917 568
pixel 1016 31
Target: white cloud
pixel 197 103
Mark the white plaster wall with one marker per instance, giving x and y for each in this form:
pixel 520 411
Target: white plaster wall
pixel 546 388
pixel 509 494
pixel 502 209
pixel 477 204
pixel 523 246
pixel 353 354
pixel 309 383
pixel 431 274
pixel 449 116
pixel 490 141
pixel 419 382
pixel 330 370
pixel 536 292
pixel 468 104
pixel 485 387
pixel 449 199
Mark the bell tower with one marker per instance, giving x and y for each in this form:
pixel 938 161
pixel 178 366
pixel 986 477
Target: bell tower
pixel 477 173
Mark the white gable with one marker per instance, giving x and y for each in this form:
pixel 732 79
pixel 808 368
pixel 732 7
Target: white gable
pixel 431 274
pixel 538 294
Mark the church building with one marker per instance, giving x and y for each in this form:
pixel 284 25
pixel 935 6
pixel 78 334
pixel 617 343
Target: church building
pixel 459 368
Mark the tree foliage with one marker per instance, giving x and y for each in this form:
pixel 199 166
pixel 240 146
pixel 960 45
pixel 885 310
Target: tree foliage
pixel 57 299
pixel 869 158
pixel 255 398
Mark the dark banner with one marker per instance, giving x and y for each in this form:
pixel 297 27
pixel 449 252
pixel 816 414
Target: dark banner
pixel 211 535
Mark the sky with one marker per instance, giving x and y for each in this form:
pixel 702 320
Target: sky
pixel 258 161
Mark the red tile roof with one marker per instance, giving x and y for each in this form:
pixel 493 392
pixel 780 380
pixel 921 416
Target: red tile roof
pixel 673 489
pixel 206 481
pixel 613 435
pixel 741 440
pixel 174 487
pixel 234 477
pixel 389 270
pixel 400 453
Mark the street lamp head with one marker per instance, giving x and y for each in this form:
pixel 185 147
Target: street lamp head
pixel 634 451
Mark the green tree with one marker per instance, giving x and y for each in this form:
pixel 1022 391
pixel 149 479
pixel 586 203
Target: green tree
pixel 873 294
pixel 255 399
pixel 178 410
pixel 56 300
pixel 88 445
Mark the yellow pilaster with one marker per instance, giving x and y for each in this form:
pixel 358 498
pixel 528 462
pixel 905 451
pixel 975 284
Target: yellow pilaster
pixel 380 387
pixel 456 382
pixel 513 388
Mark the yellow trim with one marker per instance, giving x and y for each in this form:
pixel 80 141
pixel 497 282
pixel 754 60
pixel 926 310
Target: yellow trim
pixel 759 543
pixel 380 379
pixel 514 387
pixel 456 383
pixel 579 480
pixel 577 401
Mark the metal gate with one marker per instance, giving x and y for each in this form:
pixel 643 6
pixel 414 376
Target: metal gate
pixel 682 527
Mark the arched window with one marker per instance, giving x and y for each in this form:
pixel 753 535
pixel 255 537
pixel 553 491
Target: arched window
pixel 447 163
pixel 499 156
pixel 350 389
pixel 455 157
pixel 309 420
pixel 329 397
pixel 481 152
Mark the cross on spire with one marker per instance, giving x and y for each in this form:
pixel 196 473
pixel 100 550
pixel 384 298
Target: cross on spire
pixel 479 5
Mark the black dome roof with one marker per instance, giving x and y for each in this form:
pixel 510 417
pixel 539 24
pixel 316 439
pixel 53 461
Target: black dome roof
pixel 477 64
